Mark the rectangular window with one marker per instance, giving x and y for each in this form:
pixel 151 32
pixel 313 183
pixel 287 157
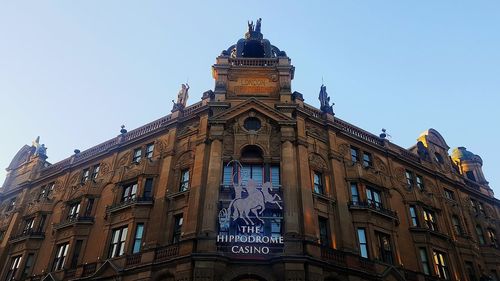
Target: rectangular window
pixel 469 268
pixel 43 191
pixel 27 266
pixel 420 182
pixel 324 236
pixel 430 220
pixel 354 154
pixel 440 265
pixel 88 209
pixel 28 225
pixel 367 159
pixel 85 175
pixel 227 177
pixel 354 193
pixel 50 189
pixel 363 245
pixel 425 261
pixel 470 175
pixel 384 247
pixel 178 220
pixel 275 176
pixel 492 235
pixel 129 192
pixel 149 150
pixel 76 253
pixel 480 235
pixel 373 197
pixel 457 226
pixel 137 155
pixel 12 204
pixel 74 211
pixel 139 230
pixel 318 183
pixel 148 189
pixel 13 267
pixel 60 258
pixel 255 172
pixel 41 224
pixel 95 171
pixel 184 180
pixel 449 194
pixel 276 225
pixel 409 178
pixel 480 206
pixel 118 239
pixel 413 216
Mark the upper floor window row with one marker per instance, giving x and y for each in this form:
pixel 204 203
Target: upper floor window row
pixel 477 206
pixel 146 151
pixel 413 179
pixel 131 191
pixel 260 173
pixel 90 173
pixel 365 157
pixel 46 191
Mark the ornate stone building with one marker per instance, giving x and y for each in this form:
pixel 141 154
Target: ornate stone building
pixel 250 183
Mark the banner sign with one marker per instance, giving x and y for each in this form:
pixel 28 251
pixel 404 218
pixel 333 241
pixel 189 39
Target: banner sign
pixel 250 219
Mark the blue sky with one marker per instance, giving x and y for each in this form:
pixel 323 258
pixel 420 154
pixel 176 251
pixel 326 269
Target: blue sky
pixel 74 71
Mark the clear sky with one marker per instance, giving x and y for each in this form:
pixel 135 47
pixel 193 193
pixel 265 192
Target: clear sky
pixel 74 71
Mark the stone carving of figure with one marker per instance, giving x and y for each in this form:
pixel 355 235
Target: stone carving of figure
pixel 257 26
pixel 183 95
pixel 233 53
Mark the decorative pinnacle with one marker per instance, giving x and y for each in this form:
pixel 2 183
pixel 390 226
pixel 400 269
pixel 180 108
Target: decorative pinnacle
pixel 123 130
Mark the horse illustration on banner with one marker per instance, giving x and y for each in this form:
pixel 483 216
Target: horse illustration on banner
pixel 251 207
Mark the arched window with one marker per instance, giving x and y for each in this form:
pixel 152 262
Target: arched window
pixel 251 166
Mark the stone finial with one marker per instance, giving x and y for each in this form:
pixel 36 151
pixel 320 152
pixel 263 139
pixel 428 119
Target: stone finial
pixel 123 130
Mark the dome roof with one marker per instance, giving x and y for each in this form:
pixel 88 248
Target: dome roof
pixel 461 154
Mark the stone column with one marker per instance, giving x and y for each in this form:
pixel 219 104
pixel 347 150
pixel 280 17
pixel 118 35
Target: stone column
pixel 211 200
pixel 292 216
pixel 310 218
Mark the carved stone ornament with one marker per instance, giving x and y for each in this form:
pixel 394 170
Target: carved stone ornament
pixel 343 149
pixel 124 159
pixel 380 165
pixel 399 174
pixel 73 179
pixel 317 162
pixel 161 144
pixel 104 168
pixel 185 159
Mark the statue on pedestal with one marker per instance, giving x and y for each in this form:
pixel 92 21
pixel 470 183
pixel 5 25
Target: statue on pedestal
pixel 325 100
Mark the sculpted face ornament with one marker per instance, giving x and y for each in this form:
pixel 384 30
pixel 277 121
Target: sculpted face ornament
pixel 246 225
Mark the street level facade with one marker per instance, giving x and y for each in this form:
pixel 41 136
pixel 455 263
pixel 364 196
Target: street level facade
pixel 250 183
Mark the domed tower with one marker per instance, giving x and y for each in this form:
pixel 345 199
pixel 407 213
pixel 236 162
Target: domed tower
pixel 470 165
pixel 253 67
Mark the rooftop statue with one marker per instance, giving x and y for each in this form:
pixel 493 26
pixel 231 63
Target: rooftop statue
pixel 325 101
pixel 257 26
pixel 183 95
pixel 40 149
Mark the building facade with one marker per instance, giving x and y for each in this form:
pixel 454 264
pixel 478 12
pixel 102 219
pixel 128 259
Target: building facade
pixel 250 183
